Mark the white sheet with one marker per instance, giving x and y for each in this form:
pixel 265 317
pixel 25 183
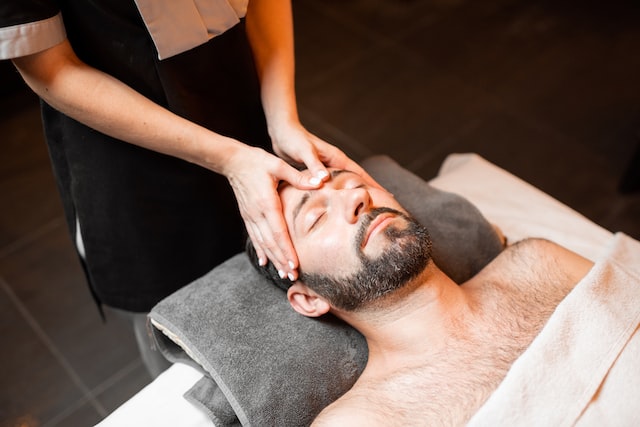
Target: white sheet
pixel 518 208
pixel 161 403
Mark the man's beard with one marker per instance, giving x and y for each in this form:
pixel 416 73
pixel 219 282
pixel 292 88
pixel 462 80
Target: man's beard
pixel 404 258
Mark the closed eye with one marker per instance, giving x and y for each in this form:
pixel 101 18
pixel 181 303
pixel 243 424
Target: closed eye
pixel 316 221
pixel 354 184
pixel 348 186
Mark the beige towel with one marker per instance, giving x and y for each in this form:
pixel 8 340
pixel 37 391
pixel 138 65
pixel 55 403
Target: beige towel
pixel 584 367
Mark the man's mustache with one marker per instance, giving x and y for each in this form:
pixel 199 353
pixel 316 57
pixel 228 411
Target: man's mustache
pixel 369 218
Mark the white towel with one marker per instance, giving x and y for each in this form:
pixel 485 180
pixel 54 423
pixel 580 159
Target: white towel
pixel 584 366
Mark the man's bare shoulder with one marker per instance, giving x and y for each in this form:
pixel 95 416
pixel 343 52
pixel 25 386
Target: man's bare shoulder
pixel 536 260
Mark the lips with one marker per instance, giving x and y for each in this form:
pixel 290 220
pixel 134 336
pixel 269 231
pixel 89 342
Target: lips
pixel 378 224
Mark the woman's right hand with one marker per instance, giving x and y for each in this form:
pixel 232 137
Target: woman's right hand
pixel 254 175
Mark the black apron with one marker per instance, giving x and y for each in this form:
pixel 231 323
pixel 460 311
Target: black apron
pixel 151 223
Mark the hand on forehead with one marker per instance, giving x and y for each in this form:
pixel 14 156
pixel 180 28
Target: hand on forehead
pixel 337 177
pixel 293 199
pixel 307 174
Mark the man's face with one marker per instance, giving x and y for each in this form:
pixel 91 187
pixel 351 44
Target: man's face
pixel 355 243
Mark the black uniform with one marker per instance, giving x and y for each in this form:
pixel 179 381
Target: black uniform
pixel 150 223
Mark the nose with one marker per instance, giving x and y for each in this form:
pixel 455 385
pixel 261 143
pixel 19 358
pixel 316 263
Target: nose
pixel 357 201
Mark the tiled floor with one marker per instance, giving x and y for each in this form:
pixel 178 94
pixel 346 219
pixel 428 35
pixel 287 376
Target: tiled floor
pixel 548 90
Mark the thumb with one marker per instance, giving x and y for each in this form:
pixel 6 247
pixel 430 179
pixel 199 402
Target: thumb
pixel 317 173
pixel 302 180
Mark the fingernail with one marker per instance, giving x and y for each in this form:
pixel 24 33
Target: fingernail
pixel 292 265
pixel 314 181
pixel 281 274
pixel 291 277
pixel 262 262
pixel 323 174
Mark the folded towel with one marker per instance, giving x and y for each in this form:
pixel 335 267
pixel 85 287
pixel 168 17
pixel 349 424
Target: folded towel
pixel 270 366
pixel 274 366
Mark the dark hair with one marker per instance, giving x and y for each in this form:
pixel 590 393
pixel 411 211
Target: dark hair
pixel 269 271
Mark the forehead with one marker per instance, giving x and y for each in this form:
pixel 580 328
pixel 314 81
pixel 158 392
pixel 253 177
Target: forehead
pixel 293 199
pixel 285 187
pixel 307 174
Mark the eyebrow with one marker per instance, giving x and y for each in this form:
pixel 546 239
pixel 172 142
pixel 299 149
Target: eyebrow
pixel 306 196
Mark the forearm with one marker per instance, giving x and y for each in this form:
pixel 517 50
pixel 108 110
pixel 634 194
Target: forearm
pixel 109 106
pixel 270 32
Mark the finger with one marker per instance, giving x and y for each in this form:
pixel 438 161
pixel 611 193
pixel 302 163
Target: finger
pixel 255 242
pixel 298 179
pixel 280 254
pixel 317 169
pixel 369 179
pixel 331 155
pixel 260 235
pixel 340 160
pixel 268 246
pixel 276 241
pixel 284 245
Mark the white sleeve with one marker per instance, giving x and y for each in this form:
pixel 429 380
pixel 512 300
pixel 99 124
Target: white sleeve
pixel 31 37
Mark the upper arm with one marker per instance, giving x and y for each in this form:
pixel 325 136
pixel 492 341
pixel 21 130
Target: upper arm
pixel 44 65
pixel 42 70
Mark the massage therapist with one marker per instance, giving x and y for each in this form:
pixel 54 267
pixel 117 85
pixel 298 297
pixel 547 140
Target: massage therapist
pixel 150 110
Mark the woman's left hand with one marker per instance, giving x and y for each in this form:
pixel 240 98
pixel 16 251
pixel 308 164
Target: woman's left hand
pixel 296 145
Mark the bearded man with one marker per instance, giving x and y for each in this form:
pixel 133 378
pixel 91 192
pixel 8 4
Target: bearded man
pixel 437 349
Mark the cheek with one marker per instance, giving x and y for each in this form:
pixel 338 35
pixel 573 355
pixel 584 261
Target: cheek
pixel 333 255
pixel 386 199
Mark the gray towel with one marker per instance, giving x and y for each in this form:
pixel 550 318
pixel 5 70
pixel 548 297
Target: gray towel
pixel 265 364
pixel 274 366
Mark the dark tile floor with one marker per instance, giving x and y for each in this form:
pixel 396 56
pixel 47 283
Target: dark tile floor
pixel 546 89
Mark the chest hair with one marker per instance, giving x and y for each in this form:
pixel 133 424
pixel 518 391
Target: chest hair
pixel 519 292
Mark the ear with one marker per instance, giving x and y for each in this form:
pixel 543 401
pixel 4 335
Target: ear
pixel 306 302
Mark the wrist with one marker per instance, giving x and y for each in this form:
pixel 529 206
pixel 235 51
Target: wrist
pixel 280 124
pixel 280 109
pixel 215 152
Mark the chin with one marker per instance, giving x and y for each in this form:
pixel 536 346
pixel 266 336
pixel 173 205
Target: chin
pixel 381 245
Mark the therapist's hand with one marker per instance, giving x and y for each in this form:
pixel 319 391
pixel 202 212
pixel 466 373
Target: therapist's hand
pixel 298 146
pixel 254 175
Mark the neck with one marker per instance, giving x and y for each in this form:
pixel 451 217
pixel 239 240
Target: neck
pixel 415 323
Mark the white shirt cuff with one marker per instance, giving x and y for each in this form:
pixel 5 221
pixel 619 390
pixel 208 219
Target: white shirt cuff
pixel 25 39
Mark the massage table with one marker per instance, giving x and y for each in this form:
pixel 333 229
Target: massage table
pixel 543 383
